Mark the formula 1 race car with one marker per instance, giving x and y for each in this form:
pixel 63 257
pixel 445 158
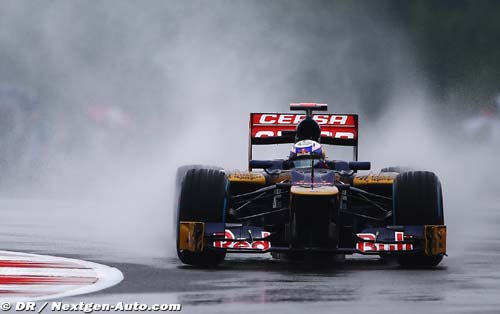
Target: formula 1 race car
pixel 307 206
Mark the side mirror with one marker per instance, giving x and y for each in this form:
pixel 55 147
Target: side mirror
pixel 260 164
pixel 360 165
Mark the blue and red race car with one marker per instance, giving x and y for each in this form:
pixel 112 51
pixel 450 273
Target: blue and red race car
pixel 307 206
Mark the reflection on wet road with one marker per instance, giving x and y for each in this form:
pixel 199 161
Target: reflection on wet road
pixel 468 281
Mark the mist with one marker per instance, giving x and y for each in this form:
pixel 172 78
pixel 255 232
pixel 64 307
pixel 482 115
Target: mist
pixel 181 78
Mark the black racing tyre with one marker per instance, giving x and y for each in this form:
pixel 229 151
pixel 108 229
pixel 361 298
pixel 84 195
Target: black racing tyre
pixel 203 199
pixel 397 169
pixel 418 200
pixel 179 176
pixel 181 171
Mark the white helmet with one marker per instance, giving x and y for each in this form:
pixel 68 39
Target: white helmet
pixel 304 148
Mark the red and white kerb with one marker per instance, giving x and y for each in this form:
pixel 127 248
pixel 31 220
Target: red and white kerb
pixel 38 277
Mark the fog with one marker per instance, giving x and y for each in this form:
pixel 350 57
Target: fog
pixel 181 78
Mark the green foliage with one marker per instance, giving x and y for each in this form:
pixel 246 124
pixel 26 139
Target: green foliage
pixel 457 41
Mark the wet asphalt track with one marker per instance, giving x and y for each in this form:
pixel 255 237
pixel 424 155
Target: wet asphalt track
pixel 468 281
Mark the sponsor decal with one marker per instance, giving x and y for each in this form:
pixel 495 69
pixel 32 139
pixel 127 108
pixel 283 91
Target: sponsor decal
pixel 273 124
pixel 229 242
pixel 247 177
pixel 334 134
pixel 294 119
pixel 372 246
pixel 374 179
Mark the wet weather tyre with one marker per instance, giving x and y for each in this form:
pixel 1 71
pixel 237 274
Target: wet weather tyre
pixel 418 200
pixel 179 177
pixel 203 199
pixel 181 171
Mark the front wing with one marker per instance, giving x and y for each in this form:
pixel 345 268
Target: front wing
pixel 236 238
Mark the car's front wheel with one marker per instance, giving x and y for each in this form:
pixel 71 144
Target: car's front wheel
pixel 202 199
pixel 418 200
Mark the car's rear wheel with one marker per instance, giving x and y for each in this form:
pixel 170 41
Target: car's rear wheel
pixel 202 199
pixel 418 200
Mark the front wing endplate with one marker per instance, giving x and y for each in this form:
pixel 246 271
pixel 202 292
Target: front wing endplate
pixel 191 236
pixel 435 239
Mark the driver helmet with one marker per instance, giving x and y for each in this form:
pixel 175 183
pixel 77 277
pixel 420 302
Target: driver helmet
pixel 304 148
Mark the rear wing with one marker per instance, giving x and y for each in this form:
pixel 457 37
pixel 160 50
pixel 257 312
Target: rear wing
pixel 279 128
